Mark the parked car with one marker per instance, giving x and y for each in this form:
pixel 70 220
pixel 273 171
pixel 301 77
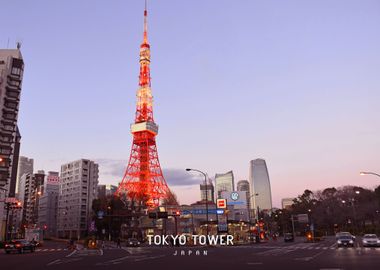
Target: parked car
pixel 19 245
pixel 288 237
pixel 370 240
pixel 345 241
pixel 133 242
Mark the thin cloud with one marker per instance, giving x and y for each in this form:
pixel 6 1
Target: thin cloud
pixel 115 168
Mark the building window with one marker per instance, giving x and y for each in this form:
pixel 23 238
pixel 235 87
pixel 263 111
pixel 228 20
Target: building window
pixel 16 71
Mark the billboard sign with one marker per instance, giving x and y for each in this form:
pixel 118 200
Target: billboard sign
pixel 222 223
pixel 221 203
pixel 199 211
pixel 52 179
pixel 236 198
pixel 303 218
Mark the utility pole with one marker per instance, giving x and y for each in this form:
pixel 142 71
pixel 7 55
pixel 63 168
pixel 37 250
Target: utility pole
pixel 294 234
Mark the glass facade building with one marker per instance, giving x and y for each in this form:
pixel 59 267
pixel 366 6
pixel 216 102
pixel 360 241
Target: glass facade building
pixel 260 185
pixel 224 182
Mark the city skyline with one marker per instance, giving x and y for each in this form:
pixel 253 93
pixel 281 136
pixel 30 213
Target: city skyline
pixel 293 99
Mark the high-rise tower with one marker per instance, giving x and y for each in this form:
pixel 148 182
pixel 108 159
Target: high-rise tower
pixel 260 185
pixel 143 180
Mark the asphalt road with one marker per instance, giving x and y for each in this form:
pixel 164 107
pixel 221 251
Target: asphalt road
pixel 272 255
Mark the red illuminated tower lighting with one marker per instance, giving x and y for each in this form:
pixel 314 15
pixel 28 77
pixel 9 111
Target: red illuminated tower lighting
pixel 143 180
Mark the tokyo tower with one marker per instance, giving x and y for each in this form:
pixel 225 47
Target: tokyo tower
pixel 143 181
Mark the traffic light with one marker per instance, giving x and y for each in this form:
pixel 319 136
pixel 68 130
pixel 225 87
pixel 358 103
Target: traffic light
pixel 162 214
pixel 152 215
pixel 157 215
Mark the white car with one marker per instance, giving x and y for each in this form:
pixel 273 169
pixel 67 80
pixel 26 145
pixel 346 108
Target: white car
pixel 370 240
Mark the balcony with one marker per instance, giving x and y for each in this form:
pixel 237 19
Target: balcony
pixel 15 78
pixel 10 117
pixel 7 126
pixel 13 96
pixel 10 104
pixel 13 86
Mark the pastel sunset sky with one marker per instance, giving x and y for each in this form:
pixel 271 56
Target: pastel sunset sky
pixel 294 82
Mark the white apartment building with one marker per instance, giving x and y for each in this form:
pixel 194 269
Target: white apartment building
pixel 77 189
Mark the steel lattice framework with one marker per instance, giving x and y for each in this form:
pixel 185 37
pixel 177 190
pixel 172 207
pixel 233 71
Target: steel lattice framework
pixel 143 180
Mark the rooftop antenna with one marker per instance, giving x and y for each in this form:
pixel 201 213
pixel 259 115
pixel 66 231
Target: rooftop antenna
pixel 8 44
pixel 145 24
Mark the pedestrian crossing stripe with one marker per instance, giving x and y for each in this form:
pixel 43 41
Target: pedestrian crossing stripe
pixel 51 249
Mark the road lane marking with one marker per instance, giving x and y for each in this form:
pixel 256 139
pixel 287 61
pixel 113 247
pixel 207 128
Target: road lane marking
pixel 119 260
pixel 149 258
pixel 303 259
pixel 63 261
pixel 71 254
pixel 54 262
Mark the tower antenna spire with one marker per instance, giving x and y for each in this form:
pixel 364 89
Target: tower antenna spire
pixel 145 23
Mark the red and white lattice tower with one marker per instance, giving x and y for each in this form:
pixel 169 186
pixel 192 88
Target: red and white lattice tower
pixel 143 180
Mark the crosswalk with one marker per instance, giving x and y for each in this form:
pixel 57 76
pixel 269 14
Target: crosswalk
pixel 283 249
pixel 50 249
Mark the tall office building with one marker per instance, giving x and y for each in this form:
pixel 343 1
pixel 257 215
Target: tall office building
pixel 106 190
pixel 210 192
pixel 48 205
pixel 25 165
pixel 77 189
pixel 243 185
pixel 224 182
pixel 11 73
pixel 31 188
pixel 260 185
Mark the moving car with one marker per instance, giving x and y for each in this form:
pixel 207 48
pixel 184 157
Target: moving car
pixel 19 245
pixel 370 240
pixel 288 237
pixel 345 241
pixel 337 235
pixel 133 242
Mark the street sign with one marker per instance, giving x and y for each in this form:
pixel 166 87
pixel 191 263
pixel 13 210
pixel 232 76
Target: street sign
pixel 303 218
pixel 10 200
pixel 100 214
pixel 222 223
pixel 201 211
pixel 92 227
pixel 221 203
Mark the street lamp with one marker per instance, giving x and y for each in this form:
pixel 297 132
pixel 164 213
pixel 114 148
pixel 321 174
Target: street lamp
pixel 195 170
pixel 370 173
